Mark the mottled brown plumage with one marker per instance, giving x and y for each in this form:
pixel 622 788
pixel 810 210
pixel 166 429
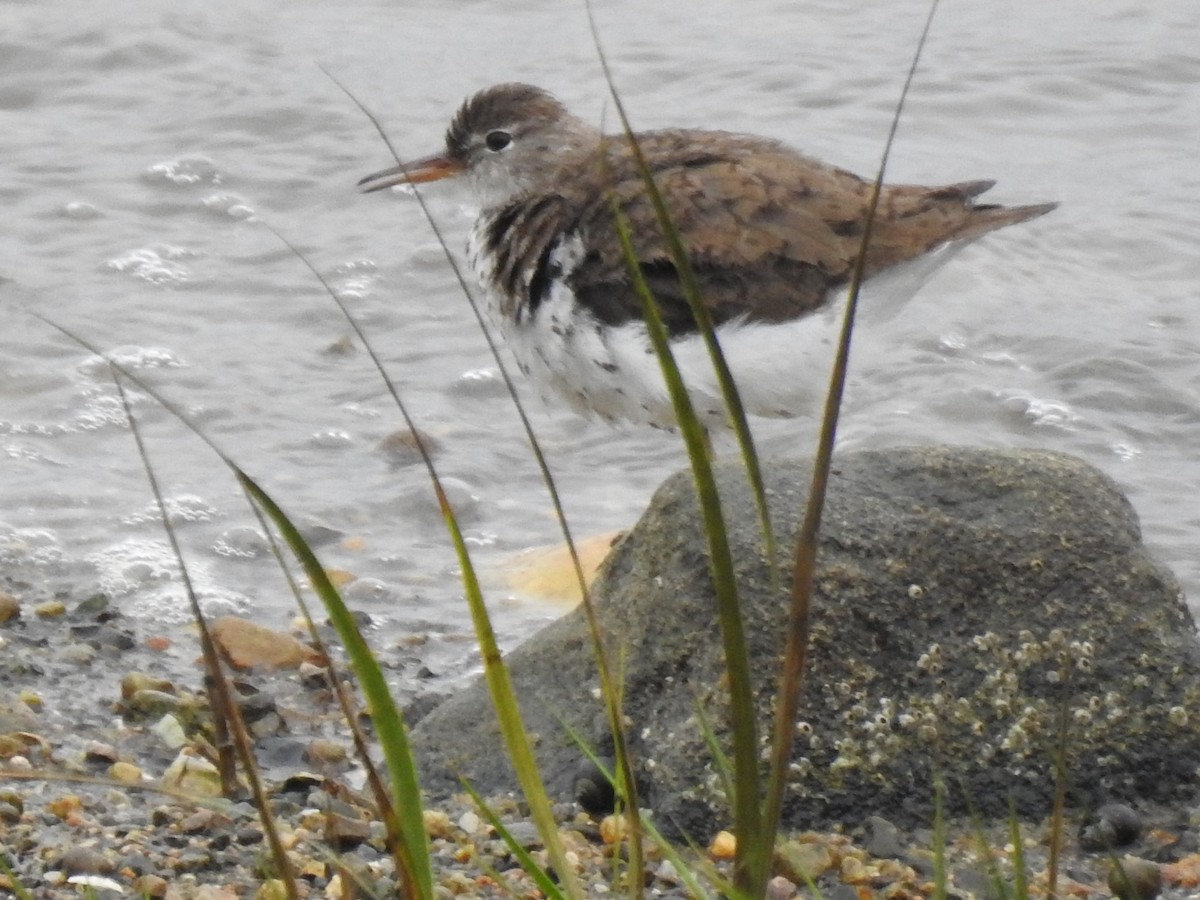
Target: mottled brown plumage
pixel 771 234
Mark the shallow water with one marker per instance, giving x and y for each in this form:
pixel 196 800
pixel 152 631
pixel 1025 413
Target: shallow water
pixel 144 153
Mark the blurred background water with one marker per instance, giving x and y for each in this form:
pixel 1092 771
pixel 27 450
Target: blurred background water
pixel 143 151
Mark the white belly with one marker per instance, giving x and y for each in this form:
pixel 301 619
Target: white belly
pixel 780 369
pixel 612 372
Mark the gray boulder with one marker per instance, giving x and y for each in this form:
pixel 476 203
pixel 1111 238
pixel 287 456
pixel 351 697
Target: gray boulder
pixel 963 598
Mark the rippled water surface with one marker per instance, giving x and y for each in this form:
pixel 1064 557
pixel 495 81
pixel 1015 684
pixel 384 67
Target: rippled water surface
pixel 144 154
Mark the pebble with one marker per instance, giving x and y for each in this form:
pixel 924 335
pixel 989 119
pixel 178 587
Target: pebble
pixel 169 732
pixel 1135 879
pixel 51 609
pixel 801 862
pixel 882 838
pixel 723 846
pixel 248 645
pixel 160 847
pixel 81 860
pixel 10 607
pixel 322 750
pixel 125 773
pixel 1113 825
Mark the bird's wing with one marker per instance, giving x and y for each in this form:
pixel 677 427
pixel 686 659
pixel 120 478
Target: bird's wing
pixel 767 232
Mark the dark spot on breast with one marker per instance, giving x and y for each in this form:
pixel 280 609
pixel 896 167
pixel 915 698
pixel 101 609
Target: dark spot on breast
pixel 544 275
pixel 497 230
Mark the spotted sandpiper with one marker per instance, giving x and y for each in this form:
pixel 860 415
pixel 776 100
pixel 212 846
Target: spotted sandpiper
pixel 772 236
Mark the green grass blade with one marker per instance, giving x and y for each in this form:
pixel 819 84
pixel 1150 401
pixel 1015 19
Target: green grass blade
pixel 721 761
pixel 939 839
pixel 227 719
pixel 495 671
pixel 682 868
pixel 753 852
pixel 540 876
pixel 1058 811
pixel 607 684
pixel 787 703
pixel 1020 872
pixel 19 891
pixel 413 854
pixel 508 713
pixel 337 686
pixel 704 324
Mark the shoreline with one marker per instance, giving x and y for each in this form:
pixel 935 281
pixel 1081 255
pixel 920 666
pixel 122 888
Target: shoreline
pixel 85 807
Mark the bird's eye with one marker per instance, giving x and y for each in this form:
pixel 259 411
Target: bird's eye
pixel 497 140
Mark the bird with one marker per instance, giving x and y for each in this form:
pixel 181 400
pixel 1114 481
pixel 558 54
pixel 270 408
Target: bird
pixel 770 234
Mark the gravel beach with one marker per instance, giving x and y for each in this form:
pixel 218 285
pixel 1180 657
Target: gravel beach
pixel 98 742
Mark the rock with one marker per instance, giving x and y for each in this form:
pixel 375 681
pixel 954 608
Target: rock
pixel 802 862
pixel 962 597
pixel 1135 879
pixel 1112 825
pixel 247 645
pixel 133 682
pixel 169 732
pixel 437 823
pixel 192 774
pixel 51 609
pixel 548 573
pixel 593 791
pixel 10 607
pixel 151 886
pixel 345 832
pixel 125 773
pixel 324 751
pixel 882 838
pixel 401 449
pixel 525 834
pixel 723 846
pixel 82 860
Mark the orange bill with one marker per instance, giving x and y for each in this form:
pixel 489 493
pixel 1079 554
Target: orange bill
pixel 429 168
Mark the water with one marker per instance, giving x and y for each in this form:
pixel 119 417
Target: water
pixel 144 152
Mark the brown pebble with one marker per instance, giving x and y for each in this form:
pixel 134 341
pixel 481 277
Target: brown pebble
pixel 51 609
pixel 126 773
pixel 150 886
pixel 201 820
pixel 65 806
pixel 400 447
pixel 1135 879
pixel 322 750
pixel 134 682
pixel 437 824
pixel 81 860
pixel 801 862
pixel 346 833
pixel 724 845
pixel 10 607
pixel 612 829
pixel 779 888
pixel 248 645
pixel 97 751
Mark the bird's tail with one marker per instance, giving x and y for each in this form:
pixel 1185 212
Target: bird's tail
pixel 990 216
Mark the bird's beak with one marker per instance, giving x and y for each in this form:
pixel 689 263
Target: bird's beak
pixel 430 168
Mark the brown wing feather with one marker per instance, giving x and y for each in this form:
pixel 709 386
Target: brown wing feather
pixel 757 244
pixel 768 232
